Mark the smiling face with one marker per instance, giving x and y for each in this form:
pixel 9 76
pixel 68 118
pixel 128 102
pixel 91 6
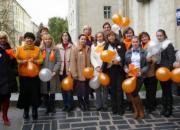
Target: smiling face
pixel 28 40
pixel 82 40
pixel 3 40
pixel 47 41
pixel 145 39
pixel 160 36
pixel 65 38
pixel 129 34
pixel 100 37
pixel 107 28
pixel 135 43
pixel 111 38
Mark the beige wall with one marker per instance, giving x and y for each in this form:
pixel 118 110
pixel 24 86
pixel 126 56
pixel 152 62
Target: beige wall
pixel 92 13
pixel 154 15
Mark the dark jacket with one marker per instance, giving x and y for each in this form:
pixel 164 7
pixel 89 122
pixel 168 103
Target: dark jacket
pixel 167 57
pixel 8 72
pixel 121 52
pixel 143 64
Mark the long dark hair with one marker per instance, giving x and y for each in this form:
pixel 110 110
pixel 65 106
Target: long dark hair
pixel 69 37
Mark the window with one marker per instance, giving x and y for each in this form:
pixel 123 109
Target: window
pixel 107 12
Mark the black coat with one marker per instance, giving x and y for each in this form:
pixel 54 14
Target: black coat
pixel 167 57
pixel 8 72
pixel 121 52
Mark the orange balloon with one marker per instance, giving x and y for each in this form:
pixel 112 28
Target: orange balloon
pixel 104 79
pixel 129 85
pixel 88 72
pixel 107 55
pixel 117 19
pixel 163 74
pixel 125 22
pixel 32 69
pixel 175 75
pixel 67 83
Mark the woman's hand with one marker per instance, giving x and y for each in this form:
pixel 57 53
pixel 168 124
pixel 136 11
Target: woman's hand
pixel 98 69
pixel 116 62
pixel 53 74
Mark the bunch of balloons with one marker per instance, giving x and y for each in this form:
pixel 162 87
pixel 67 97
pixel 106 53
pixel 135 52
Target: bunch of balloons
pixel 120 21
pixel 164 74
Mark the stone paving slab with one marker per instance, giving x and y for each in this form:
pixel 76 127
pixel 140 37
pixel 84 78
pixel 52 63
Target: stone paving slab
pixel 93 120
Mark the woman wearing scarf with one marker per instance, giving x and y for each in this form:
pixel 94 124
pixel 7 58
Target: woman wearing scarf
pixel 101 92
pixel 29 59
pixel 136 56
pixel 65 49
pixel 8 74
pixel 128 33
pixel 167 60
pixel 52 62
pixel 150 80
pixel 80 58
pixel 116 73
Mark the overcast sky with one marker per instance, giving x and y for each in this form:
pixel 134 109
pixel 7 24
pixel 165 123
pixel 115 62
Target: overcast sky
pixel 42 10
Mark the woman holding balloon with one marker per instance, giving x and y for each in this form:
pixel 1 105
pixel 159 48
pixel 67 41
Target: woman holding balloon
pixel 96 49
pixel 167 60
pixel 65 49
pixel 8 74
pixel 29 58
pixel 135 59
pixel 80 59
pixel 114 68
pixel 52 62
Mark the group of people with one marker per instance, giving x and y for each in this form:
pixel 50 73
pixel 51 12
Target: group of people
pixel 68 59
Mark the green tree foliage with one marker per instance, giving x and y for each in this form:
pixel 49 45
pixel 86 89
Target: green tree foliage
pixel 56 27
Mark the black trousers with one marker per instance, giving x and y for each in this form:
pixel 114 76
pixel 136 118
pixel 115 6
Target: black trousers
pixel 151 88
pixel 167 98
pixel 117 96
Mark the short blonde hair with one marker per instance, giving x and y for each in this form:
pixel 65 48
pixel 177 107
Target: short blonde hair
pixel 47 36
pixel 3 34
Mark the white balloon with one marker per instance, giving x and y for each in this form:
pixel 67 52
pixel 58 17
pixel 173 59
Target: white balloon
pixel 94 82
pixel 45 75
pixel 115 28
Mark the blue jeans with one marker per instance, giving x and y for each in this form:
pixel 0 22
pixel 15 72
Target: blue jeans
pixel 67 98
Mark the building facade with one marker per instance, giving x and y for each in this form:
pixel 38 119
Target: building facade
pixel 145 15
pixel 93 13
pixel 15 20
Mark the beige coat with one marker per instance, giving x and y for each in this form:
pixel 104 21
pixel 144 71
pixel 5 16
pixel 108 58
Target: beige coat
pixel 64 53
pixel 80 58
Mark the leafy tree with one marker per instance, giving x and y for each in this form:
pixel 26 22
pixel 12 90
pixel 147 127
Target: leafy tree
pixel 56 27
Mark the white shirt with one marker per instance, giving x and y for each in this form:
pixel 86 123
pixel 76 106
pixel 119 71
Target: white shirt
pixel 136 59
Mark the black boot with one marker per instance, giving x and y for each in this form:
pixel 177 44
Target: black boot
pixel 34 113
pixel 169 107
pixel 52 103
pixel 26 113
pixel 81 103
pixel 47 103
pixel 164 106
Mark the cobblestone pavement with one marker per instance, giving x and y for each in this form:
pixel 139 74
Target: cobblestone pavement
pixel 93 120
